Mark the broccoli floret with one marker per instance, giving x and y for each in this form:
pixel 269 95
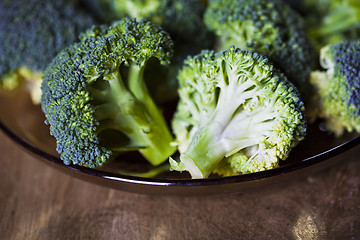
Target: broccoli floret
pixel 338 87
pixel 32 33
pixel 95 97
pixel 271 28
pixel 235 105
pixel 16 78
pixel 182 19
pixel 331 21
pixel 25 78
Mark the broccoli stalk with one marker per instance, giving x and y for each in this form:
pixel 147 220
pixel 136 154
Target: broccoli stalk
pixel 332 21
pixel 125 109
pixel 234 102
pixel 95 96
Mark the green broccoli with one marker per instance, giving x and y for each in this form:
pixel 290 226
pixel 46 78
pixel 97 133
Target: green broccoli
pixel 31 34
pixel 337 100
pixel 182 19
pixel 331 21
pixel 96 100
pixel 234 105
pixel 271 28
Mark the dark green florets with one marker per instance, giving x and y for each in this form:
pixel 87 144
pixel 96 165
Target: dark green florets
pixel 69 112
pixel 33 32
pixel 94 91
pixel 346 57
pixel 338 87
pixel 270 28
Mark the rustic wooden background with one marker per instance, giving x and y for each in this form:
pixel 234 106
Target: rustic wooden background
pixel 39 202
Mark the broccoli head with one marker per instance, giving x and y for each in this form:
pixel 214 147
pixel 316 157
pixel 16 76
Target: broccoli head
pixel 234 106
pixel 182 19
pixel 338 87
pixel 96 100
pixel 271 28
pixel 32 33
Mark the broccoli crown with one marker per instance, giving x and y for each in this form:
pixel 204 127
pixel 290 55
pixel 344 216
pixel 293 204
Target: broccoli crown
pixel 338 98
pixel 270 28
pixel 33 32
pixel 182 19
pixel 332 21
pixel 234 103
pixel 95 98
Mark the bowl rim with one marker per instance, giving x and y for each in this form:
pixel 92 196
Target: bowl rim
pixel 301 164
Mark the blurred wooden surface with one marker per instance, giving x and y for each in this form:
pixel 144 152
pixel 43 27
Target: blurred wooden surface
pixel 39 202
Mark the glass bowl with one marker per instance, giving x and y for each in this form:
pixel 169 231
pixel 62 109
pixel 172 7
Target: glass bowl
pixel 23 122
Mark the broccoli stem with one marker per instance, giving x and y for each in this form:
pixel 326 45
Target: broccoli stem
pixel 337 21
pixel 216 140
pixel 204 152
pixel 162 136
pixel 138 87
pixel 124 111
pixel 221 135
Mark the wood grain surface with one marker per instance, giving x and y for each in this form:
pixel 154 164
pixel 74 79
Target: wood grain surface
pixel 39 202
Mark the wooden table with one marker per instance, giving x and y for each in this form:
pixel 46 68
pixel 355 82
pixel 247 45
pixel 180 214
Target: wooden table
pixel 39 202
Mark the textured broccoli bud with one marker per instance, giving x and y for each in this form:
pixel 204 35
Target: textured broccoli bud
pixel 182 19
pixel 338 87
pixel 96 100
pixel 270 28
pixel 234 105
pixel 32 33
